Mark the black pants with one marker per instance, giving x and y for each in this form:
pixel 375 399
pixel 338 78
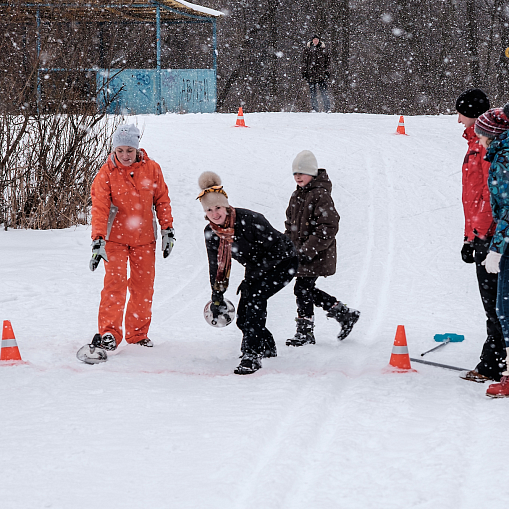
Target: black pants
pixel 308 296
pixel 252 308
pixel 493 354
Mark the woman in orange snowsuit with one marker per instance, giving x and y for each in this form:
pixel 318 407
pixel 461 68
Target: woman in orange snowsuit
pixel 126 193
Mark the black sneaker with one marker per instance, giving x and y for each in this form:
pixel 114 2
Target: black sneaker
pixel 145 342
pixel 249 364
pixel 106 342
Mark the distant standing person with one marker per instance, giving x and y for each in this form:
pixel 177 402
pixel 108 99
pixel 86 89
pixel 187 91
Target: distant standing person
pixel 315 70
pixel 312 224
pixel 479 229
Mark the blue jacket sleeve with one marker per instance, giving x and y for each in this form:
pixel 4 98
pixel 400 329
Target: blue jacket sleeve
pixel 499 188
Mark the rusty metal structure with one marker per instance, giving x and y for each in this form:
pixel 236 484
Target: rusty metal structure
pixel 136 91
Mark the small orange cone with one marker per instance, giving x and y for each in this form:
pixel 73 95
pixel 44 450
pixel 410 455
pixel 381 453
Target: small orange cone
pixel 400 358
pixel 10 351
pixel 401 126
pixel 240 119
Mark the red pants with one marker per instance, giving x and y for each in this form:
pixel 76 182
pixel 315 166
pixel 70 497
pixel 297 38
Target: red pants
pixel 141 289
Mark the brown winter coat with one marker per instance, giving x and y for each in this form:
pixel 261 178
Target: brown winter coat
pixel 315 63
pixel 312 223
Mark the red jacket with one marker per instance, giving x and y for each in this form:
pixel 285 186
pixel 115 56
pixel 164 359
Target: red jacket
pixel 124 199
pixel 476 196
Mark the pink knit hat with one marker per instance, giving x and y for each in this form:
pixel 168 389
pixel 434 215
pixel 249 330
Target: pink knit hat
pixel 492 123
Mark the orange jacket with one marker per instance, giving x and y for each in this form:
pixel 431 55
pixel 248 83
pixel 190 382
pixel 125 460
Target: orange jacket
pixel 124 199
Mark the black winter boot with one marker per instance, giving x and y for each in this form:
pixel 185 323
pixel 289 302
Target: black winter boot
pixel 304 334
pixel 493 358
pixel 248 364
pixel 345 316
pixel 269 347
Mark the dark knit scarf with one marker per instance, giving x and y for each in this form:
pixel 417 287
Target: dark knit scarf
pixel 224 254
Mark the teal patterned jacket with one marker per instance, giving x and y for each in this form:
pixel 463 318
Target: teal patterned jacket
pixel 498 182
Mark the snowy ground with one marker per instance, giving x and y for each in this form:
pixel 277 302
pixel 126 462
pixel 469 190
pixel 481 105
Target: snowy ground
pixel 318 427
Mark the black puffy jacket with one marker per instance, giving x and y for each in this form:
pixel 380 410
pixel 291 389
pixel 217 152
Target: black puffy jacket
pixel 257 245
pixel 315 63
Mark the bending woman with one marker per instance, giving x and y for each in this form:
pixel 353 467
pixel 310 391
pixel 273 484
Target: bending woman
pixel 268 255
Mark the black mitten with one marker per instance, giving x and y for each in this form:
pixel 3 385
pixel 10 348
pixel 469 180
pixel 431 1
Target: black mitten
pixel 467 253
pixel 218 306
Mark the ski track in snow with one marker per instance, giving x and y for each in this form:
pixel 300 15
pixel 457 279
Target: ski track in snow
pixel 370 233
pixel 380 237
pixel 322 426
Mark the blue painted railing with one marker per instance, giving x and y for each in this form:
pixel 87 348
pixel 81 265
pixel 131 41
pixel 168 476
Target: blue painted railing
pixel 140 91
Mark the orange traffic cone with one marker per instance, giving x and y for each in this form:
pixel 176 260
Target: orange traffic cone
pixel 240 119
pixel 401 126
pixel 10 351
pixel 400 360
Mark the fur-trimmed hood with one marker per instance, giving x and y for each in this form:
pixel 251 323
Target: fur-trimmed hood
pixel 321 44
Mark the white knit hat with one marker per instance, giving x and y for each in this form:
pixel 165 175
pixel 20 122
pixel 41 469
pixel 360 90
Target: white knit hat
pixel 212 192
pixel 305 163
pixel 127 135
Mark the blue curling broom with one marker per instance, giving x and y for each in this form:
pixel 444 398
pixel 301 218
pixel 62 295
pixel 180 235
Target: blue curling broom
pixel 444 339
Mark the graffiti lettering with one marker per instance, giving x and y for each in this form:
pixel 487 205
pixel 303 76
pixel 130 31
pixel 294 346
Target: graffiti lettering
pixel 181 90
pixel 143 78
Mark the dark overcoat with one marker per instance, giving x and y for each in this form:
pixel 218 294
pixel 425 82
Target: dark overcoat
pixel 312 223
pixel 257 245
pixel 315 63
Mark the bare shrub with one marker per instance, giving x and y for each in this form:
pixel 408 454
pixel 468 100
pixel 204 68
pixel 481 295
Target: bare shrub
pixel 54 132
pixel 49 164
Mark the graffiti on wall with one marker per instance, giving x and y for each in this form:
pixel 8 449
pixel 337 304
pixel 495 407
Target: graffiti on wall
pixel 168 90
pixel 191 91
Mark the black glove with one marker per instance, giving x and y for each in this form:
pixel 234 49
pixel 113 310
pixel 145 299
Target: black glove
pixel 218 305
pixel 169 239
pixel 98 253
pixel 243 287
pixel 467 252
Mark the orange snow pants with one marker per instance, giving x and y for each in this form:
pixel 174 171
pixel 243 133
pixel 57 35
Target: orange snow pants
pixel 141 289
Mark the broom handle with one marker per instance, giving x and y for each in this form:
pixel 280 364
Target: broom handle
pixel 448 340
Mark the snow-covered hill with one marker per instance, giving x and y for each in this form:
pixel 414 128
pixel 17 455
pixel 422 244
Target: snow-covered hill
pixel 319 427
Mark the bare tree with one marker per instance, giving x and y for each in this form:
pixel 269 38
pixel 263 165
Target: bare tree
pixel 339 12
pixel 402 56
pixel 54 135
pixel 472 36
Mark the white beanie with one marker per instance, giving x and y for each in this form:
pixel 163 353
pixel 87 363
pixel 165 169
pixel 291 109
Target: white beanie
pixel 305 163
pixel 127 135
pixel 212 192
